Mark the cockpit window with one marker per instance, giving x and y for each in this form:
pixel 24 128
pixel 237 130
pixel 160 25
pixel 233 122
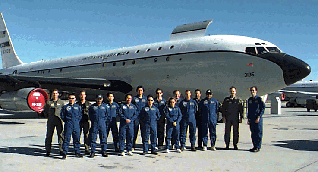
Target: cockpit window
pixel 261 50
pixel 273 49
pixel 250 50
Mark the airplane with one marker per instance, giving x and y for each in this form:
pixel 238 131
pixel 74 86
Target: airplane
pixel 188 60
pixel 297 94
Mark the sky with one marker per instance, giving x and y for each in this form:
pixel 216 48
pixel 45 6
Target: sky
pixel 46 29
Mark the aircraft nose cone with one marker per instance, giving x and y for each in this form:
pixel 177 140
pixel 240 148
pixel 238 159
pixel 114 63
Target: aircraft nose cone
pixel 293 68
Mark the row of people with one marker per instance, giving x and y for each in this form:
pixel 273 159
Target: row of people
pixel 149 114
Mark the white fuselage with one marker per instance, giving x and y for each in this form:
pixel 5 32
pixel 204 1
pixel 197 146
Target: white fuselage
pixel 211 62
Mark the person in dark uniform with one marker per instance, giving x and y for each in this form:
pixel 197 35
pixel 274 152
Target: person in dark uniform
pixel 128 114
pixel 114 112
pixel 139 101
pixel 149 115
pixel 198 118
pixel 188 109
pixel 232 111
pixel 160 103
pixel 52 109
pixel 71 114
pixel 99 114
pixel 209 109
pixel 84 123
pixel 173 115
pixel 256 108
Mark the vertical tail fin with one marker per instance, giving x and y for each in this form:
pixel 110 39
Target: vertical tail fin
pixel 9 57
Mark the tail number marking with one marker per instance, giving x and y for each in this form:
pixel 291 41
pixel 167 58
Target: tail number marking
pixel 249 74
pixel 7 51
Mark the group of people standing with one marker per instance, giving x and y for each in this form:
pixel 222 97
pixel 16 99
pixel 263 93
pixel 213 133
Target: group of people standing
pixel 153 116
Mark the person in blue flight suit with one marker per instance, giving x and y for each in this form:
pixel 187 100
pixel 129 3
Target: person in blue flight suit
pixel 71 114
pixel 114 112
pixel 208 108
pixel 128 114
pixel 99 114
pixel 188 108
pixel 173 115
pixel 160 103
pixel 149 115
pixel 256 108
pixel 177 96
pixel 139 101
pixel 198 118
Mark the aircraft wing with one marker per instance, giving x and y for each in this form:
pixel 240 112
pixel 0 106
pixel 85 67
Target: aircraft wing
pixel 19 81
pixel 289 93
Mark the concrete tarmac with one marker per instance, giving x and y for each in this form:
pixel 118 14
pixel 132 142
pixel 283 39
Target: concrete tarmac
pixel 290 143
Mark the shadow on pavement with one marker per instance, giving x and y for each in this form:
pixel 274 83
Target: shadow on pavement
pixel 303 145
pixel 18 115
pixel 10 123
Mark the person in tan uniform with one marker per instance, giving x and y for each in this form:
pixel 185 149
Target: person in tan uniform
pixel 52 110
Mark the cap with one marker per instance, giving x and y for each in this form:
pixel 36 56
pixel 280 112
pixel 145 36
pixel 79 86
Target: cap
pixel 208 91
pixel 99 96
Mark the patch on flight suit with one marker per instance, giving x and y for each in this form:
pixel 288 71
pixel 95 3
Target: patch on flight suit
pixel 143 100
pixel 162 102
pixel 76 108
pixel 131 107
pixel 170 109
pixel 191 103
pixel 124 107
pixel 185 103
pixel 102 107
pixel 153 109
pixel 95 107
pixel 114 106
pixel 147 109
pixel 250 101
pixel 68 108
pixel 205 102
pixel 136 100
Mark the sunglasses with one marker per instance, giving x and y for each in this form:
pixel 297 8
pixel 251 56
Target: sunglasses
pixel 72 98
pixel 150 100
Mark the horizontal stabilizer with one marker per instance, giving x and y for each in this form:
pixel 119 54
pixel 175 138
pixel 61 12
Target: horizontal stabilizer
pixel 192 30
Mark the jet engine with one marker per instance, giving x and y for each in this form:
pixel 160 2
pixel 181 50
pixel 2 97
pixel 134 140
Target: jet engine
pixel 24 99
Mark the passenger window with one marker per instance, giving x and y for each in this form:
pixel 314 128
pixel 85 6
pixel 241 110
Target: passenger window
pixel 250 50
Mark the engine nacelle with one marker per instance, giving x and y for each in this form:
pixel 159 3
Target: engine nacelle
pixel 24 99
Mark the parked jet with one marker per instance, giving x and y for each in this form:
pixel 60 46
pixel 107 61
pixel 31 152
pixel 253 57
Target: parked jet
pixel 189 60
pixel 297 94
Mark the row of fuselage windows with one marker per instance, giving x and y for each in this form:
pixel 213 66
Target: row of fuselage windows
pixel 123 63
pixel 159 48
pixel 114 63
